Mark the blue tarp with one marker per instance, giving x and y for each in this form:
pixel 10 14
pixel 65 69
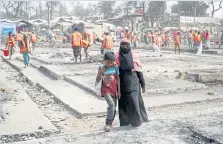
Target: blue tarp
pixel 5 28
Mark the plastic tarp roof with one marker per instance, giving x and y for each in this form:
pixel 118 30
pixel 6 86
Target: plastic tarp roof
pixel 60 20
pixel 9 21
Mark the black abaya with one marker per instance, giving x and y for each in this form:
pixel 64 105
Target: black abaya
pixel 131 106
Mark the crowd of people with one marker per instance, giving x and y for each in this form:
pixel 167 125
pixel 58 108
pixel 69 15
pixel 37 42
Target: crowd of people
pixel 195 39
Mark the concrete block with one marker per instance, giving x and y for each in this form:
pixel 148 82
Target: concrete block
pixel 75 99
pixel 86 84
pixel 50 72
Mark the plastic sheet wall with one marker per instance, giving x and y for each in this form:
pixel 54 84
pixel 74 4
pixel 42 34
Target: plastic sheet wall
pixel 5 28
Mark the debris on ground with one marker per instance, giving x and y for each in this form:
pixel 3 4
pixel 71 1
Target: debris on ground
pixel 3 90
pixel 60 55
pixel 95 58
pixel 211 93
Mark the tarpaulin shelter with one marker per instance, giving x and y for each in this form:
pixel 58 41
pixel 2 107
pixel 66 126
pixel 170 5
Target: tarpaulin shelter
pixel 5 28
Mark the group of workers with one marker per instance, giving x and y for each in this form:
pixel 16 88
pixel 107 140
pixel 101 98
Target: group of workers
pixel 23 40
pixel 195 39
pixel 79 41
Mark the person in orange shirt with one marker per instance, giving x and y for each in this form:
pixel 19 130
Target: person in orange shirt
pixel 198 42
pixel 33 40
pixel 128 34
pixel 207 39
pixel 10 44
pixel 177 42
pixel 86 37
pixel 107 43
pixel 25 50
pixel 194 37
pixel 167 39
pixel 76 44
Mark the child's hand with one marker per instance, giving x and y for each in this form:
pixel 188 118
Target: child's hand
pixel 103 69
pixel 143 90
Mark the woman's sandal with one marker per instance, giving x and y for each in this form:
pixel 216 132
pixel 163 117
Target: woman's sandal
pixel 107 128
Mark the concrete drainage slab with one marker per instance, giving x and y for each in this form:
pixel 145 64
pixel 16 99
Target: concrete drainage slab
pixel 204 75
pixel 21 114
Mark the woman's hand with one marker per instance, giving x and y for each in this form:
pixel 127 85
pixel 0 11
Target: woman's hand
pixel 143 90
pixel 119 94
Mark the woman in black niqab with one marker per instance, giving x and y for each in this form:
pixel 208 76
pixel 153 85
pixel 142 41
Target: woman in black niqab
pixel 131 106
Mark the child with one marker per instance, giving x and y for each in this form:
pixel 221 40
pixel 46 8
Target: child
pixel 110 89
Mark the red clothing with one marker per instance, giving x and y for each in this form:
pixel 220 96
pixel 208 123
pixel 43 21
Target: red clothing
pixel 109 81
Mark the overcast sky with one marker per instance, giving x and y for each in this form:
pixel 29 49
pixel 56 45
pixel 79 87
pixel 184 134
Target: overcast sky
pixel 218 14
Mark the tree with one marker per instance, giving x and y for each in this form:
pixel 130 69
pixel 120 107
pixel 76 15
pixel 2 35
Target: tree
pixel 156 11
pixel 214 9
pixel 51 6
pixel 18 9
pixel 7 5
pixel 62 9
pixel 90 10
pixel 190 8
pixel 79 10
pixel 129 7
pixel 106 7
pixel 118 10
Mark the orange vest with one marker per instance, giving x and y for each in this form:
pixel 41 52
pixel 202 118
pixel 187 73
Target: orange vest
pixel 84 44
pixel 108 42
pixel 197 38
pixel 10 41
pixel 33 38
pixel 86 36
pixel 24 48
pixel 128 36
pixel 76 39
pixel 19 37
